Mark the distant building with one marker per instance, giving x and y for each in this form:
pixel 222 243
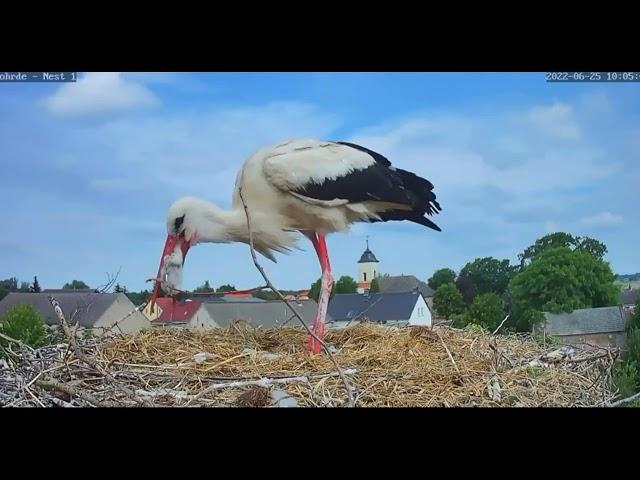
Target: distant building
pixel 629 296
pixel 197 315
pixel 101 312
pixel 604 326
pixel 368 269
pixel 406 283
pixel 399 308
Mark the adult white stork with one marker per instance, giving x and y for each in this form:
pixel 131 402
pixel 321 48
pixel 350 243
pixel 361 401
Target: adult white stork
pixel 309 186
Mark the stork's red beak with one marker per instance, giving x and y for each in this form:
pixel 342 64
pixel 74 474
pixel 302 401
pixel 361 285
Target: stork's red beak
pixel 169 246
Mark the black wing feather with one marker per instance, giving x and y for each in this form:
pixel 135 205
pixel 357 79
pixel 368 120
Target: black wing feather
pixel 381 182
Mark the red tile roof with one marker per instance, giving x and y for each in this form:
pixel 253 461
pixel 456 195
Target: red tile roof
pixel 176 312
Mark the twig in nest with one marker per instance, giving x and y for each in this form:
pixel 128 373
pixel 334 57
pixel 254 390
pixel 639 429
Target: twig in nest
pixel 624 400
pixel 18 342
pixel 448 352
pixel 61 387
pixel 501 323
pixel 81 355
pixel 71 337
pixel 293 310
pixel 110 282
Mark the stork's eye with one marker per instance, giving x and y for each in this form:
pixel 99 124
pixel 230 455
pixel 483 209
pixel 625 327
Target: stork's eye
pixel 178 223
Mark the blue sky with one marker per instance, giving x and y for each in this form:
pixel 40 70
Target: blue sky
pixel 89 169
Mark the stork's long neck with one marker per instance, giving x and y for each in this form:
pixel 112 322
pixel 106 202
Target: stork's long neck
pixel 218 225
pixel 270 230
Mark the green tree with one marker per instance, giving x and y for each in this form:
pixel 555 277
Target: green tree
pixel 563 239
pixel 560 280
pixel 484 275
pixel 76 285
pixel 440 277
pixel 36 285
pixel 314 291
pixel 119 289
pixel 226 288
pixel 345 284
pixel 24 287
pixel 23 322
pixel 205 288
pixel 448 301
pixel 625 379
pixel 486 310
pixel 7 286
pixel 375 286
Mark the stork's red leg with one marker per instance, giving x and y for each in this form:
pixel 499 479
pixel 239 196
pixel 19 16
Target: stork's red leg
pixel 326 283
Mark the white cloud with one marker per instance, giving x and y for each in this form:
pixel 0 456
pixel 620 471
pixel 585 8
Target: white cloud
pixel 197 153
pixel 596 102
pixel 99 94
pixel 602 219
pixel 556 120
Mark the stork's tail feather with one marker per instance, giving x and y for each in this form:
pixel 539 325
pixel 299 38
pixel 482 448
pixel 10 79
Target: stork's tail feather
pixel 421 192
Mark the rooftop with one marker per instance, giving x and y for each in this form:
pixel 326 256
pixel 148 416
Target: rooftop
pixel 368 256
pixel 404 283
pixel 586 321
pixel 375 306
pixel 267 314
pixel 82 307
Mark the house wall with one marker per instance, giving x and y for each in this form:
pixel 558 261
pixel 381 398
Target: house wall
pixel 121 307
pixel 202 320
pixel 421 314
pixel 607 340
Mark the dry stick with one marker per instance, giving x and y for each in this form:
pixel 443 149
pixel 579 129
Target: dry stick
pixel 501 323
pixel 81 355
pixel 71 337
pixel 19 342
pixel 448 352
pixel 61 387
pixel 266 382
pixel 277 292
pixel 624 400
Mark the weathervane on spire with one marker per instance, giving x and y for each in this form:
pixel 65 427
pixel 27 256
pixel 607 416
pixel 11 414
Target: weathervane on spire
pixel 367 242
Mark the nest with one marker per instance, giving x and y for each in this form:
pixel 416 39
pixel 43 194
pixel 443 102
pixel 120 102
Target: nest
pixel 244 366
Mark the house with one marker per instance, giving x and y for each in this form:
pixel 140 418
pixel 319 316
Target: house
pixel 406 283
pixel 397 308
pixel 629 296
pixel 603 326
pixel 178 314
pixel 101 312
pixel 196 315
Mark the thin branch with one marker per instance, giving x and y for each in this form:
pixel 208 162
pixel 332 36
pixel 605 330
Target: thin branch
pixel 501 323
pixel 293 310
pixel 448 352
pixel 624 400
pixel 13 340
pixel 61 387
pixel 71 337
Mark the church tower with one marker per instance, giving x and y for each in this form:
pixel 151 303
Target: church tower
pixel 368 269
